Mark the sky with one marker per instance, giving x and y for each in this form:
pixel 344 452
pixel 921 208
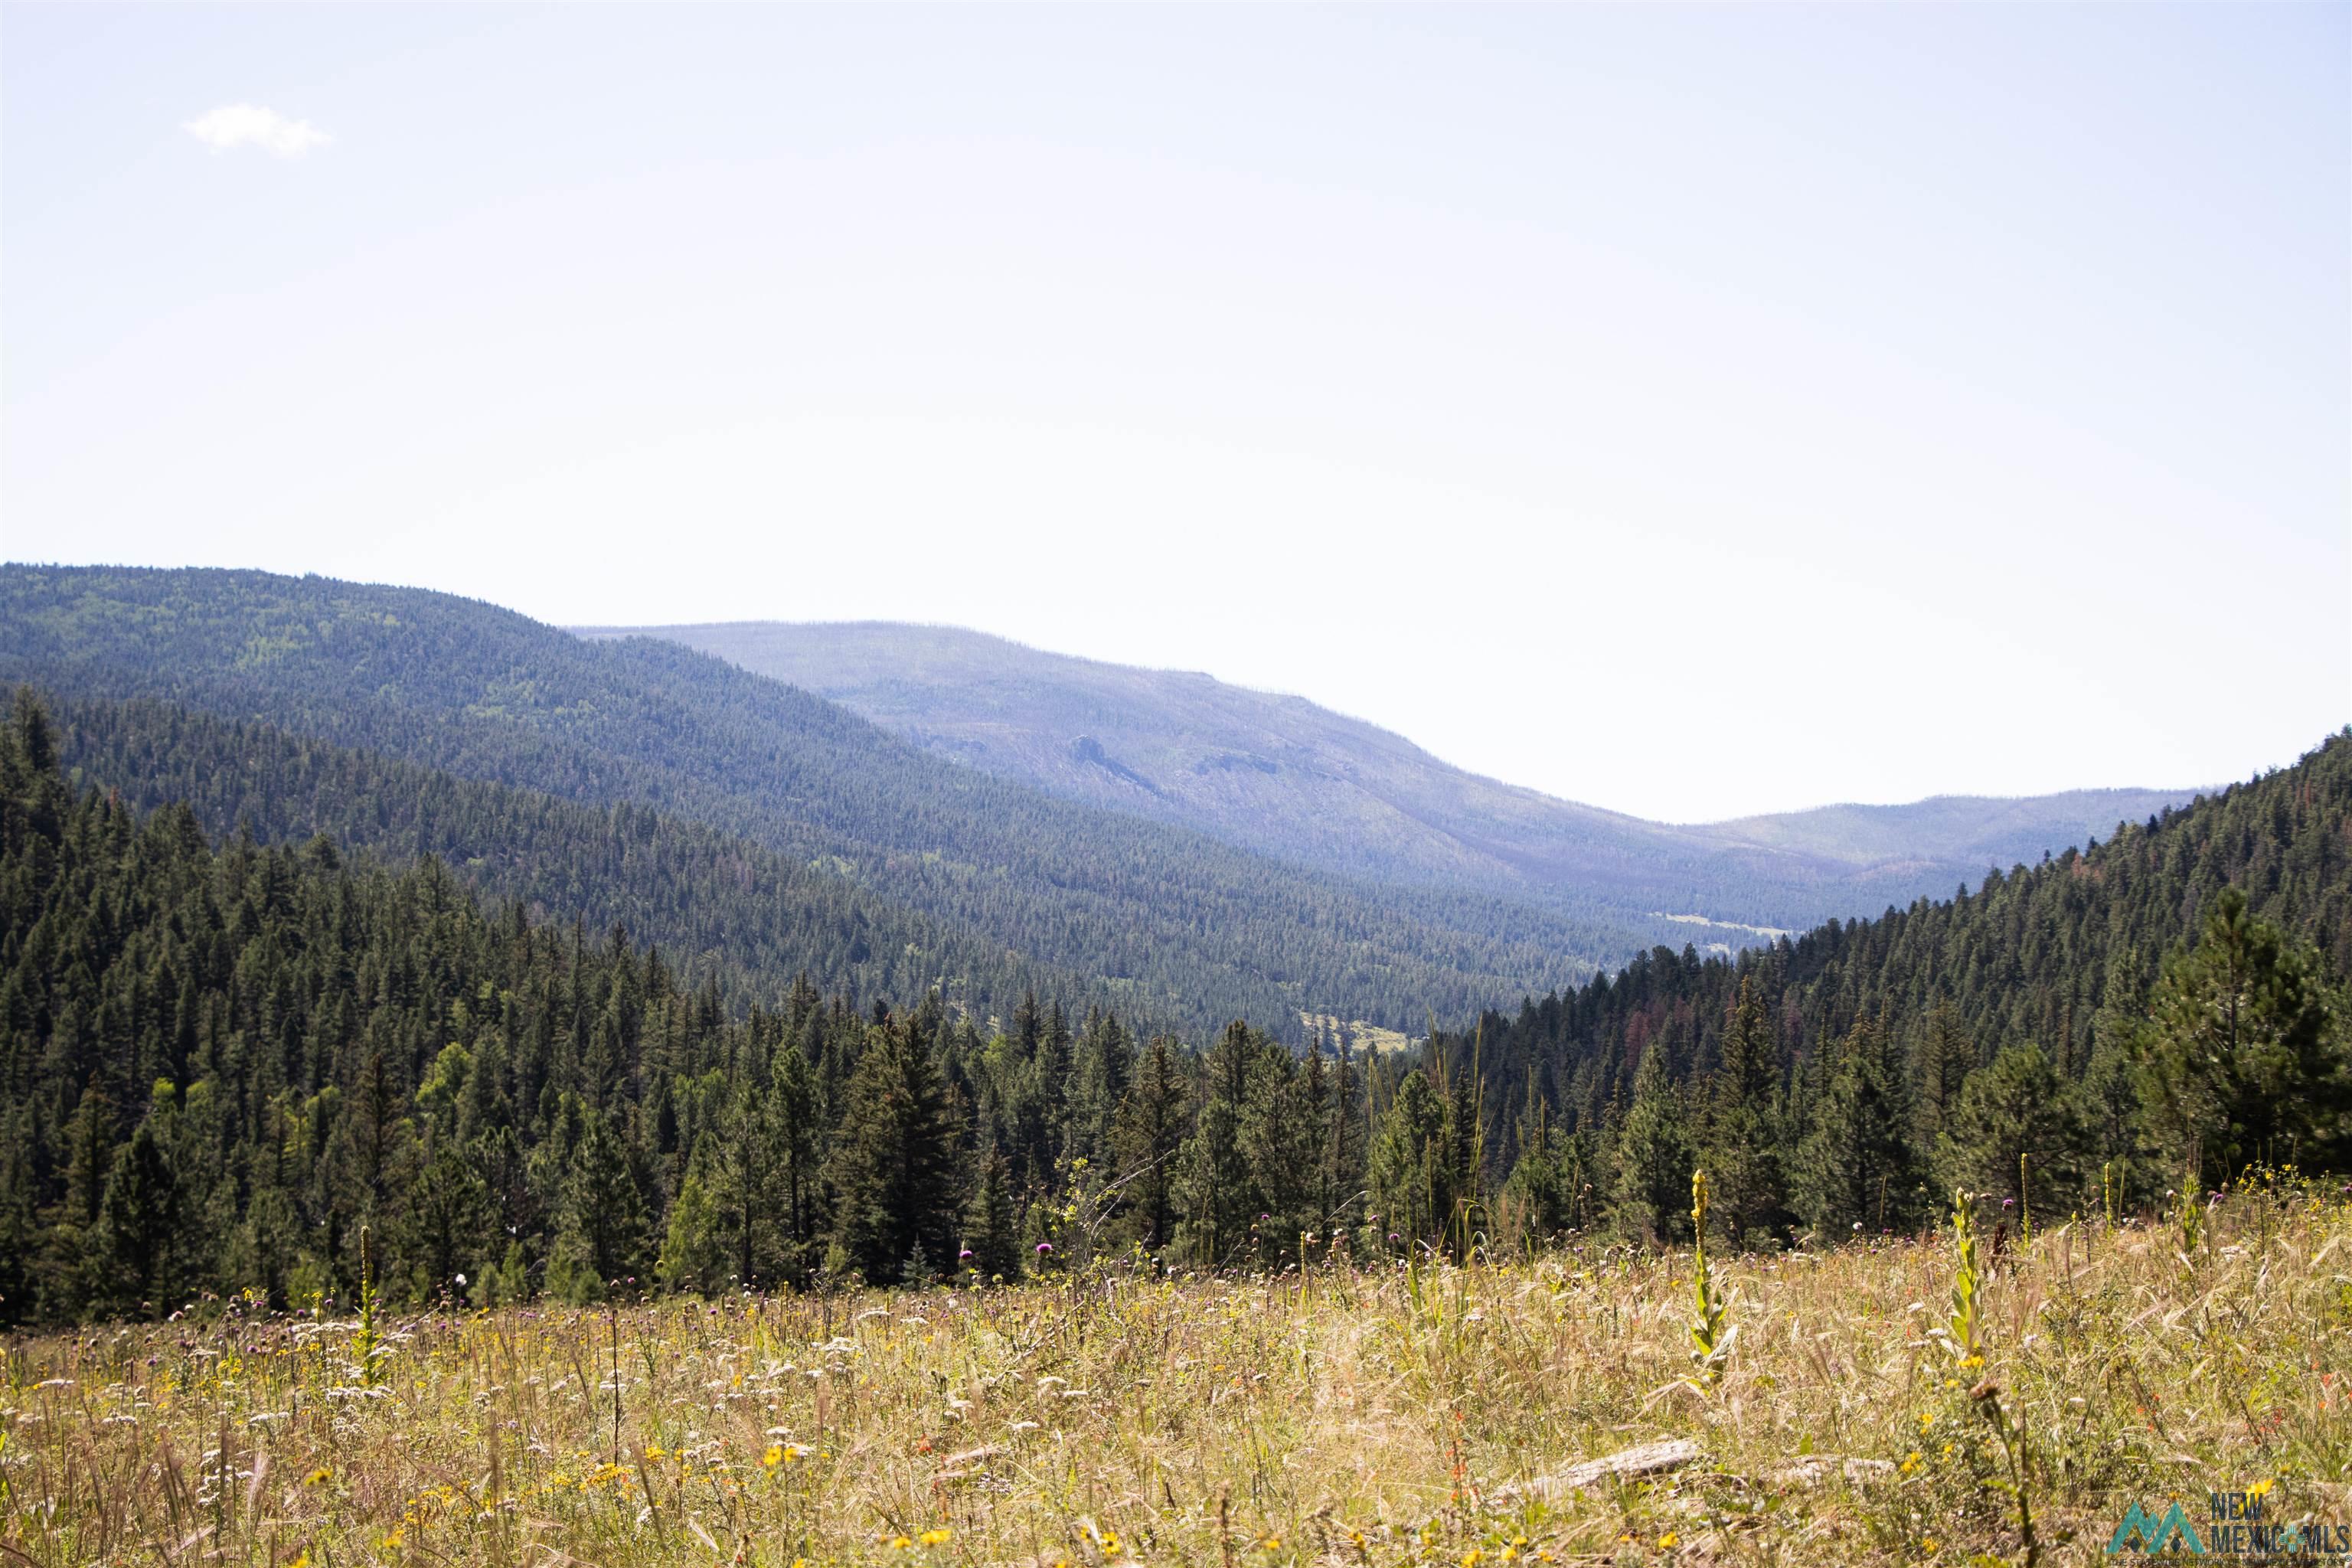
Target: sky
pixel 1689 410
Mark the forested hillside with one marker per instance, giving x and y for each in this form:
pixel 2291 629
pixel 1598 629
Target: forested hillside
pixel 1851 1075
pixel 281 1049
pixel 220 1069
pixel 748 917
pixel 482 693
pixel 1282 776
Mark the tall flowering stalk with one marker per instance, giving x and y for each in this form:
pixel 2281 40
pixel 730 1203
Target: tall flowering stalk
pixel 370 1343
pixel 1966 1341
pixel 1709 1344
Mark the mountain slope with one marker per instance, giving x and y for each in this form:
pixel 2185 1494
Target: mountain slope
pixel 1186 925
pixel 719 908
pixel 2060 957
pixel 1281 775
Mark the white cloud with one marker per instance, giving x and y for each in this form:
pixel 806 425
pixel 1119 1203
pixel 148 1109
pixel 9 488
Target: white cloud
pixel 244 125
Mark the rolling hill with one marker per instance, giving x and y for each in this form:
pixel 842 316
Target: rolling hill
pixel 1280 775
pixel 1175 923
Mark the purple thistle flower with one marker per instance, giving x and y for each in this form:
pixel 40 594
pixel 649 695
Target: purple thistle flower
pixel 1044 1247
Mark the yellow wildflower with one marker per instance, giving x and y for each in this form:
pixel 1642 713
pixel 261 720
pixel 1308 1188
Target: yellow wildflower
pixel 2260 1489
pixel 1666 1540
pixel 899 1542
pixel 935 1537
pixel 773 1456
pixel 318 1477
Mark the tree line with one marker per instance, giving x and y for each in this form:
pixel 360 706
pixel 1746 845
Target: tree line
pixel 222 1064
pixel 1167 921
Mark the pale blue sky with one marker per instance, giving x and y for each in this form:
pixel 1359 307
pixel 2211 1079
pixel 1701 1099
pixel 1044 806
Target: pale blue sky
pixel 1689 410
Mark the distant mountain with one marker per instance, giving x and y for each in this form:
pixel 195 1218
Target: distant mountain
pixel 1169 924
pixel 1952 829
pixel 1282 776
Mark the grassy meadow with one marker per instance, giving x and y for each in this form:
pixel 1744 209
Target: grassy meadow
pixel 1423 1414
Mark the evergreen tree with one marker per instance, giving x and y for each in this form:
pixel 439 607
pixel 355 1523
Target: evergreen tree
pixel 1219 1198
pixel 2018 1106
pixel 1341 1167
pixel 139 1236
pixel 602 1239
pixel 1857 1167
pixel 1651 1192
pixel 1944 1056
pixel 895 1159
pixel 1413 1176
pixel 694 1255
pixel 991 1234
pixel 2244 1057
pixel 1742 1152
pixel 1147 1137
pixel 445 1229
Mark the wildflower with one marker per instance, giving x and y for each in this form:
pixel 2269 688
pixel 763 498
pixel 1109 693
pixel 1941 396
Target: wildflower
pixel 1472 1558
pixel 773 1456
pixel 1666 1540
pixel 935 1537
pixel 2260 1489
pixel 965 1256
pixel 1044 1247
pixel 899 1542
pixel 1913 1464
pixel 318 1477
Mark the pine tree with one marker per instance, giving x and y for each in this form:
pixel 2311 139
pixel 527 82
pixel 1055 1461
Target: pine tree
pixel 895 1159
pixel 1650 1193
pixel 1219 1199
pixel 694 1255
pixel 992 1233
pixel 1147 1137
pixel 446 1225
pixel 1858 1169
pixel 2018 1106
pixel 140 1238
pixel 1944 1058
pixel 1413 1191
pixel 798 1123
pixel 602 1239
pixel 1343 1154
pixel 1742 1152
pixel 2245 1055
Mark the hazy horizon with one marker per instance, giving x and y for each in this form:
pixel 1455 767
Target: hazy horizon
pixel 1698 413
pixel 584 628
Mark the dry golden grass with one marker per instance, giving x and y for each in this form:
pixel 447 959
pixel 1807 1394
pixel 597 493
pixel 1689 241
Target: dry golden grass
pixel 1390 1418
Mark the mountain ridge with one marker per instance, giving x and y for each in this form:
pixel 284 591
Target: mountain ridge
pixel 1201 929
pixel 1279 773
